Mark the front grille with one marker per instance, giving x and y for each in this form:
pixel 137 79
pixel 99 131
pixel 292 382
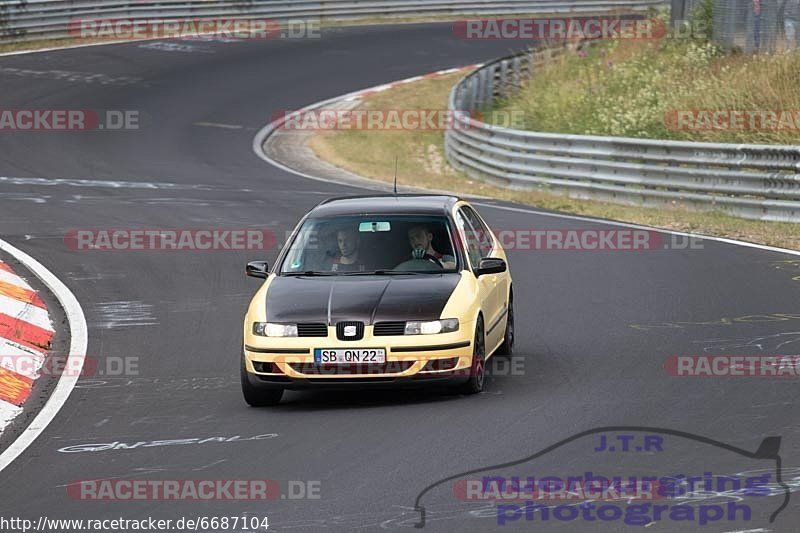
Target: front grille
pixel 383 329
pixel 390 367
pixel 359 331
pixel 312 330
pixel 360 380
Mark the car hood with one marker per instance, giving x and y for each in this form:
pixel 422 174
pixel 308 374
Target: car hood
pixel 373 299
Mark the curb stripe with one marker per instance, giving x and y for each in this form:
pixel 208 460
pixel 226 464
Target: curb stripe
pixel 24 360
pixel 8 412
pixel 24 333
pixel 78 341
pixel 9 347
pixel 10 277
pixel 14 388
pixel 25 363
pixel 21 293
pixel 25 312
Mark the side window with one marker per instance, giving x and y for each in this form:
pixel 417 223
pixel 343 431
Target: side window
pixel 470 238
pixel 483 236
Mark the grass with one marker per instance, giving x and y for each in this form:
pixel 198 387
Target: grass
pixel 636 89
pixel 37 45
pixel 422 164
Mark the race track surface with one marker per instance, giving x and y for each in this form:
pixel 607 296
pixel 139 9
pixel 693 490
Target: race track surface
pixel 179 313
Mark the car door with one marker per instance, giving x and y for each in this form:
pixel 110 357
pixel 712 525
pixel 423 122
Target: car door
pixel 486 242
pixel 476 248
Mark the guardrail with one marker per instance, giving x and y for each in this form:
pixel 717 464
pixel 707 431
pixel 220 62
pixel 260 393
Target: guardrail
pixel 23 20
pixel 745 180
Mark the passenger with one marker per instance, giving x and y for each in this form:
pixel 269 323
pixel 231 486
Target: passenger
pixel 347 241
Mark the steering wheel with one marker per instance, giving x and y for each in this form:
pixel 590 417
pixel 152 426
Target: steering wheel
pixel 426 263
pixel 432 259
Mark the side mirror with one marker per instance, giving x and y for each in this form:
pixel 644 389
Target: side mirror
pixel 257 269
pixel 490 265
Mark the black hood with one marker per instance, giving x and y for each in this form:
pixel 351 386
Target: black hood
pixel 373 299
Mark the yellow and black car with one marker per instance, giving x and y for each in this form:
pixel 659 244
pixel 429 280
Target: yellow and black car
pixel 373 291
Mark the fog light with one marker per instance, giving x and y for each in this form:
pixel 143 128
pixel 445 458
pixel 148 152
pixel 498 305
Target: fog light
pixel 266 368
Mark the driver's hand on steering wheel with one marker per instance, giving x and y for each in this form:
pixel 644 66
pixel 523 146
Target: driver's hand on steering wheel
pixel 422 255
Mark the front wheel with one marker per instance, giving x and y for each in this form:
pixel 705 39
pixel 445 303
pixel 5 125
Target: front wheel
pixel 477 371
pixel 254 395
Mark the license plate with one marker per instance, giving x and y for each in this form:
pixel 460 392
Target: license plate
pixel 345 356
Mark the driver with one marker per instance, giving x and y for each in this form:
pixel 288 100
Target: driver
pixel 420 238
pixel 347 241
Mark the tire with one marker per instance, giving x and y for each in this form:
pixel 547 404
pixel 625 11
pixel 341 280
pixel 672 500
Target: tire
pixel 256 396
pixel 477 372
pixel 507 348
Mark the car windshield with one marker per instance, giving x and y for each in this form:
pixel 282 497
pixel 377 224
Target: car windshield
pixel 372 244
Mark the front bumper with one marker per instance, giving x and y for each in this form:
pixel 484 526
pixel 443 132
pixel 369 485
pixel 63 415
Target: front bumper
pixel 411 361
pixel 355 382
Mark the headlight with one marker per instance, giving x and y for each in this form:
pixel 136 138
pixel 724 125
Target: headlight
pixel 431 328
pixel 268 329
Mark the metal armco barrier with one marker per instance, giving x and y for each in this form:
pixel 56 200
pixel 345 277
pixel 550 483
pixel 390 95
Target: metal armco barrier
pixel 48 19
pixel 745 180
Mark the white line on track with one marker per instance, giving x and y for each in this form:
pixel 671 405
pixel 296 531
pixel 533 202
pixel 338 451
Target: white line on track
pixel 77 349
pixel 638 226
pixel 68 182
pixel 217 125
pixel 90 45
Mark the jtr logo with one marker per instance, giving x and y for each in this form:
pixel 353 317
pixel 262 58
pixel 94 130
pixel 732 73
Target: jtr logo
pixel 627 443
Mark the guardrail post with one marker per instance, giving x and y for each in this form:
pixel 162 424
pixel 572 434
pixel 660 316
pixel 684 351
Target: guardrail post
pixel 515 73
pixel 503 91
pixel 488 88
pixel 472 89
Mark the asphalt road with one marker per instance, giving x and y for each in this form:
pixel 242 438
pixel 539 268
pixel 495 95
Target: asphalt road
pixel 371 453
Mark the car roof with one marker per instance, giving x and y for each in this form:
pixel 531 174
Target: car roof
pixel 400 204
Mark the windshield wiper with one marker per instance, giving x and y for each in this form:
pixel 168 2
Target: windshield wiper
pixel 381 273
pixel 309 273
